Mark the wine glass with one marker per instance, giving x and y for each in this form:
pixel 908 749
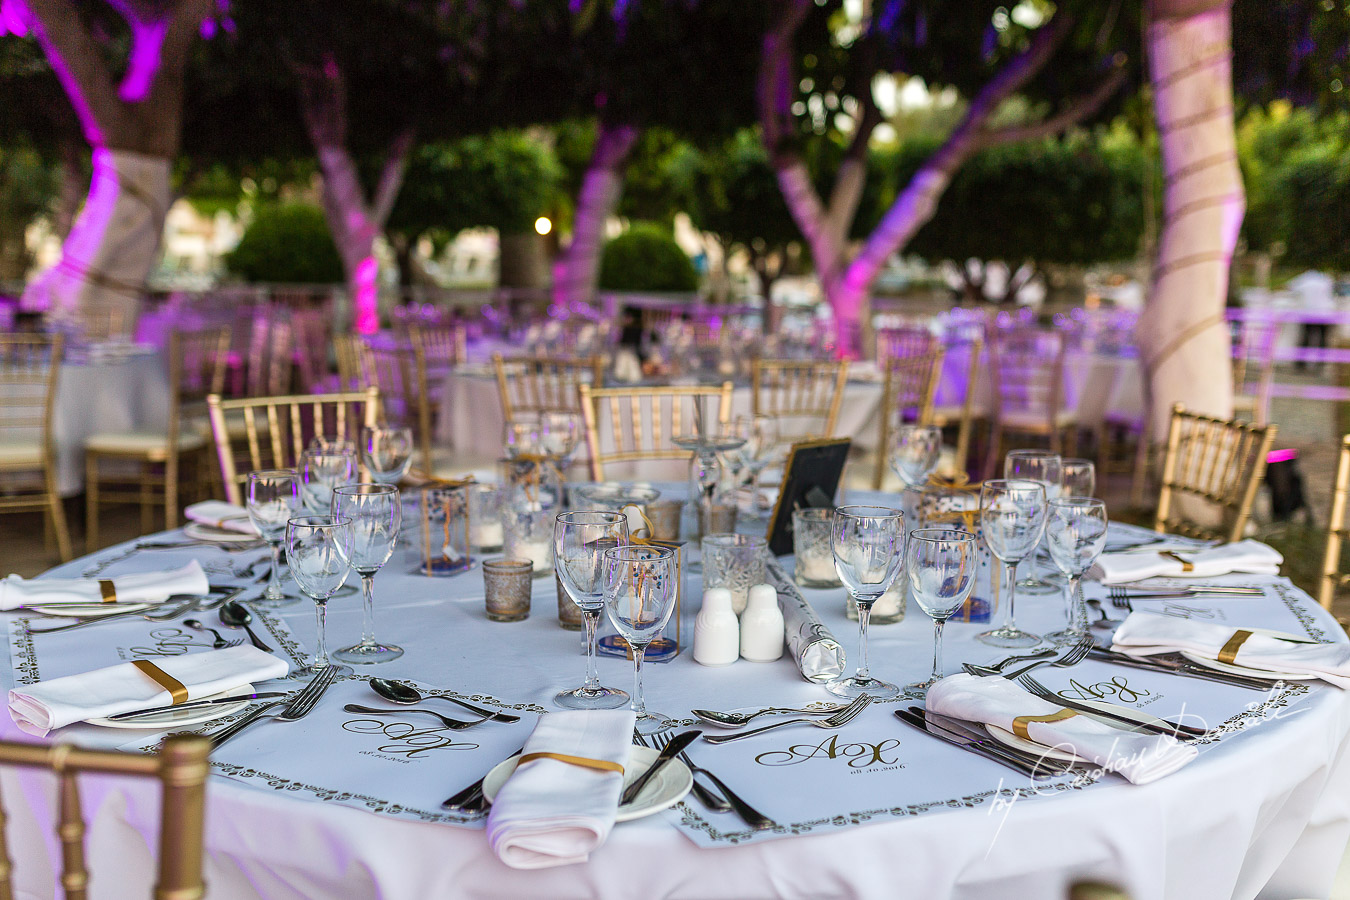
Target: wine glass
pixel 387 453
pixel 1012 516
pixel 320 472
pixel 1079 478
pixel 559 434
pixel 639 585
pixel 868 544
pixel 324 444
pixel 914 453
pixel 940 564
pixel 1048 469
pixel 273 497
pixel 580 540
pixel 761 443
pixel 319 550
pixel 1076 532
pixel 376 515
pixel 522 435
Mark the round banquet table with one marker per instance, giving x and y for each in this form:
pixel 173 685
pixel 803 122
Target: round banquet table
pixel 1264 811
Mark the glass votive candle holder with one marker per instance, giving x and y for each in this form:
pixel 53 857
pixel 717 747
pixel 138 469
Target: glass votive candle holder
pixel 569 614
pixel 813 548
pixel 718 517
pixel 529 536
pixel 734 562
pixel 664 516
pixel 486 531
pixel 506 587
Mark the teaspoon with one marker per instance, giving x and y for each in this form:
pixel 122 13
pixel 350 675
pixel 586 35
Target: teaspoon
pixel 736 720
pixel 406 695
pixel 236 615
pixel 198 626
pixel 1105 621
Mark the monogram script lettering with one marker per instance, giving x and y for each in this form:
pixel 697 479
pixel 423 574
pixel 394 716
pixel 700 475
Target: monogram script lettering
pixel 1118 686
pixel 859 754
pixel 405 739
pixel 168 642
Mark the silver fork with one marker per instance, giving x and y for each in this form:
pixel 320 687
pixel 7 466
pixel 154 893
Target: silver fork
pixel 1072 657
pixel 297 706
pixel 843 717
pixel 997 668
pixel 1121 600
pixel 704 795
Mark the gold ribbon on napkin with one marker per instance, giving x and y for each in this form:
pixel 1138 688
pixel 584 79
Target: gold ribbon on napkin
pixel 1186 565
pixel 1019 724
pixel 176 688
pixel 108 590
pixel 602 765
pixel 1231 647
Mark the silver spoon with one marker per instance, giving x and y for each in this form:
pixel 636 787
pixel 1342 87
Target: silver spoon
pixel 1105 621
pixel 455 724
pixel 407 695
pixel 736 720
pixel 197 625
pixel 236 615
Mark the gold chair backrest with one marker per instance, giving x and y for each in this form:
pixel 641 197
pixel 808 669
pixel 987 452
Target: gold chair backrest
pixel 904 342
pixel 1254 344
pixel 106 321
pixel 309 333
pixel 400 372
pixel 534 384
pixel 443 345
pixel 1210 474
pixel 29 364
pixel 639 422
pixel 910 385
pixel 180 767
pixel 197 364
pixel 277 429
pixel 1332 578
pixel 270 362
pixel 1028 368
pixel 974 350
pixel 798 390
pixel 347 350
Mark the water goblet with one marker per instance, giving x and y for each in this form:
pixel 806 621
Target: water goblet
pixel 559 434
pixel 1048 469
pixel 580 540
pixel 522 435
pixel 1079 478
pixel 376 515
pixel 639 584
pixel 387 453
pixel 940 565
pixel 915 450
pixel 273 497
pixel 324 444
pixel 868 544
pixel 1012 516
pixel 1075 529
pixel 320 472
pixel 319 550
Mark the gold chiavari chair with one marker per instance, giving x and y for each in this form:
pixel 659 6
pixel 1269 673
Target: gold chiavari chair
pixel 197 361
pixel 347 350
pixel 908 393
pixel 441 345
pixel 29 364
pixel 276 430
pixel 1332 578
pixel 309 333
pixel 797 391
pixel 1210 475
pixel 904 342
pixel 270 362
pixel 1028 369
pixel 964 413
pixel 400 372
pixel 534 384
pixel 636 424
pixel 180 767
pixel 107 320
pixel 1254 343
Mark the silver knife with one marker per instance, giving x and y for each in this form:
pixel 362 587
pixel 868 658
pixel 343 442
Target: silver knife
pixel 979 732
pixel 266 695
pixel 919 721
pixel 1183 669
pixel 677 743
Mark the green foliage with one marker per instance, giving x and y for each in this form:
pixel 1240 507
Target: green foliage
pixel 287 244
pixel 659 183
pixel 738 199
pixel 646 258
pixel 27 187
pixel 1315 183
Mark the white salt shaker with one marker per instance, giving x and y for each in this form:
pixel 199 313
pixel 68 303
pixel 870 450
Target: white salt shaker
pixel 762 625
pixel 717 633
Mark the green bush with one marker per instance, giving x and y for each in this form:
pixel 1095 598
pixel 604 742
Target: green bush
pixel 646 258
pixel 287 244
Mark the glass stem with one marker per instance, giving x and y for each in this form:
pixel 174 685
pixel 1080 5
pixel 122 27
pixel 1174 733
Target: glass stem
pixel 1009 624
pixel 274 591
pixel 1070 605
pixel 1078 609
pixel 864 614
pixel 321 648
pixel 592 619
pixel 937 647
pixel 639 703
pixel 368 617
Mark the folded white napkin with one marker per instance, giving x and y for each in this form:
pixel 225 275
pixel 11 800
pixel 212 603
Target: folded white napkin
pixel 142 587
pixel 1242 556
pixel 554 813
pixel 222 515
pixel 1144 633
pixel 38 708
pixel 1139 758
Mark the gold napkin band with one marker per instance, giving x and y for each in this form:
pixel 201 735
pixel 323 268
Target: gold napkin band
pixel 1230 649
pixel 602 765
pixel 1186 565
pixel 176 688
pixel 108 590
pixel 1019 724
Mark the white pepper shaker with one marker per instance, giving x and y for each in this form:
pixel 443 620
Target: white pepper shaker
pixel 717 632
pixel 762 625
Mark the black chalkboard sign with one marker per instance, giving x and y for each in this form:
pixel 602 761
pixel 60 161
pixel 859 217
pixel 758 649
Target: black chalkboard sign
pixel 810 479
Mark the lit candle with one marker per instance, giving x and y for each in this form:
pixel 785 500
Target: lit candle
pixel 817 570
pixel 486 534
pixel 538 552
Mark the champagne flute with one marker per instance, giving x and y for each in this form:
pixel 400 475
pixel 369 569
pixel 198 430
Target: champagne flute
pixel 320 472
pixel 376 515
pixel 915 450
pixel 940 564
pixel 387 453
pixel 1012 516
pixel 273 497
pixel 1076 532
pixel 640 584
pixel 319 549
pixel 1080 478
pixel 580 540
pixel 1048 469
pixel 868 544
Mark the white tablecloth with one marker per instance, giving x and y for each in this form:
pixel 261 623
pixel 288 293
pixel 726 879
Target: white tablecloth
pixel 1263 813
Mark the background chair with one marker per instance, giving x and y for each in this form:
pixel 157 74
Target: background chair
pixel 1336 531
pixel 276 430
pixel 197 361
pixel 907 396
pixel 635 425
pixel 535 384
pixel 29 364
pixel 441 345
pixel 400 372
pixel 803 395
pixel 1210 474
pixel 1254 368
pixel 1028 370
pixel 180 767
pixel 968 408
pixel 904 342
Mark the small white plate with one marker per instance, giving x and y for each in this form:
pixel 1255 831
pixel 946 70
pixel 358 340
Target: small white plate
pixel 1004 736
pixel 175 718
pixel 88 610
pixel 666 788
pixel 202 532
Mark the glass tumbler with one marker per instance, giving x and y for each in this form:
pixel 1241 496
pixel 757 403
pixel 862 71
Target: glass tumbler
pixel 812 549
pixel 734 562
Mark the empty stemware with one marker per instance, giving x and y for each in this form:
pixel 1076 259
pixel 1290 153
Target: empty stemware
pixel 1079 478
pixel 639 587
pixel 273 497
pixel 376 515
pixel 1012 516
pixel 580 540
pixel 387 453
pixel 1048 469
pixel 320 472
pixel 868 544
pixel 1076 531
pixel 319 550
pixel 940 565
pixel 915 451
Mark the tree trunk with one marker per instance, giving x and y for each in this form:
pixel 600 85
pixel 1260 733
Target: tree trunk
pixel 1184 343
pixel 74 186
pixel 577 269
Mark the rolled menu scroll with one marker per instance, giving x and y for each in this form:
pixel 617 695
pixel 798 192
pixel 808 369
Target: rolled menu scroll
pixel 819 656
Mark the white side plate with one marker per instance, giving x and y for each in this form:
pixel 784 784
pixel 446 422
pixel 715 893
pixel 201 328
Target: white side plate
pixel 666 788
